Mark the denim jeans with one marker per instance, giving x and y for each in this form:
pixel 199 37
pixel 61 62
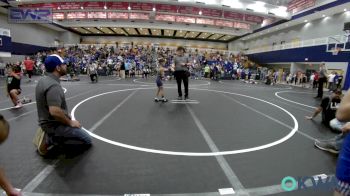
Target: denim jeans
pixel 69 138
pixel 338 140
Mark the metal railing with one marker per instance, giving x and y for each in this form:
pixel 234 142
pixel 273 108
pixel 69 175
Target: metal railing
pixel 335 39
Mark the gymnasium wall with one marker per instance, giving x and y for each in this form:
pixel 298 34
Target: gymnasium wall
pixel 69 38
pixel 305 54
pixel 324 27
pixel 31 34
pixel 30 38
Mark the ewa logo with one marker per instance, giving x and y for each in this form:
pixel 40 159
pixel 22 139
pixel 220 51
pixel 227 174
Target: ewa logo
pixel 28 15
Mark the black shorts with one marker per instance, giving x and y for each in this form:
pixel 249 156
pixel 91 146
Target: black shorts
pixel 30 73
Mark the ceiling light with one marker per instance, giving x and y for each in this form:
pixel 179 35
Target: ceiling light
pixel 280 11
pixel 207 1
pixel 88 28
pixel 323 15
pixel 233 4
pixel 305 20
pixel 345 10
pixel 200 12
pixel 154 9
pixel 129 8
pixel 258 6
pixel 260 3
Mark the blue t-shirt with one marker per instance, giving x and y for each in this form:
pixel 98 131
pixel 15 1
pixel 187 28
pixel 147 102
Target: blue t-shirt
pixel 127 65
pixel 343 166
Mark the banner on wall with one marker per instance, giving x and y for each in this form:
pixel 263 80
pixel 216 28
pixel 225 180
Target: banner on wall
pixel 30 15
pixel 296 6
pixel 5 43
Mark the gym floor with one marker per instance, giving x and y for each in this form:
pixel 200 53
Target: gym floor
pixel 231 136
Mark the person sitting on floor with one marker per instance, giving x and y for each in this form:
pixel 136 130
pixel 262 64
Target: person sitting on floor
pixel 328 108
pixel 60 131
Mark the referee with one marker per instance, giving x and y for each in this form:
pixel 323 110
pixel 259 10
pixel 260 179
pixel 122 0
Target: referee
pixel 181 73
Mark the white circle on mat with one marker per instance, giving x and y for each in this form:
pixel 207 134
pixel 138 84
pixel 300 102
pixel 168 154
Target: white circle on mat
pixel 276 94
pixel 196 154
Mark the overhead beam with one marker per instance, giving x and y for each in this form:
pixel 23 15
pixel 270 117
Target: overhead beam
pixel 137 24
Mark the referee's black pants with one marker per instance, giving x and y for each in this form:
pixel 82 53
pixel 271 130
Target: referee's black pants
pixel 181 76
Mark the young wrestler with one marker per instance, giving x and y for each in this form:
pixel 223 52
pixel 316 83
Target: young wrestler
pixel 160 77
pixel 13 82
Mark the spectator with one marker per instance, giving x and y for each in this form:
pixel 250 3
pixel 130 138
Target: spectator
pixel 328 108
pixel 59 129
pixel 340 79
pixel 92 72
pixel 322 78
pixel 29 66
pixel 331 81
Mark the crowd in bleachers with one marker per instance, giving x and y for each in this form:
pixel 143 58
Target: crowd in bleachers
pixel 299 78
pixel 143 61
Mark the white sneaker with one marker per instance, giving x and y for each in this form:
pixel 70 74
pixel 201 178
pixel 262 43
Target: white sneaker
pixel 19 105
